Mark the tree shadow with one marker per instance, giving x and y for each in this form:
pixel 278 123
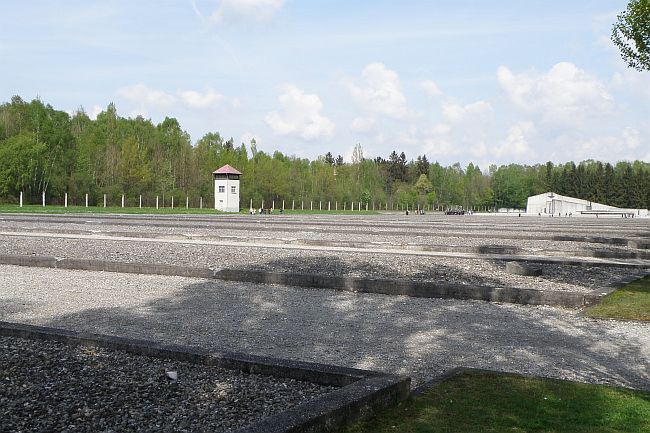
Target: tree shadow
pixel 484 271
pixel 418 337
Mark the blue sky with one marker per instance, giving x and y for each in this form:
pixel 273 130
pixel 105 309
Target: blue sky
pixel 481 81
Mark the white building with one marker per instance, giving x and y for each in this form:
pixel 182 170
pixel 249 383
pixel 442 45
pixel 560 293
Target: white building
pixel 550 203
pixel 226 189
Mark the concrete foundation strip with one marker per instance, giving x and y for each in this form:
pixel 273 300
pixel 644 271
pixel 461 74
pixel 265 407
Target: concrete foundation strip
pixel 247 240
pixel 422 289
pixel 585 261
pixel 361 392
pixel 228 221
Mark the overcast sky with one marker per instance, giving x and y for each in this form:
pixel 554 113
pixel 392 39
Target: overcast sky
pixel 484 81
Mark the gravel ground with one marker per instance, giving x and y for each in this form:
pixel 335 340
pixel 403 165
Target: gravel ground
pixel 300 235
pixel 414 336
pixel 380 224
pixel 360 264
pixel 48 386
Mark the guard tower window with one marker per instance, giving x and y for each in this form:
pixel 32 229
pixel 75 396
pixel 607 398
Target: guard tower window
pixel 233 189
pixel 222 188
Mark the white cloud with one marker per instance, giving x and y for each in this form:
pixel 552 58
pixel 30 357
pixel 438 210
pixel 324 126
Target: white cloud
pixel 453 112
pixel 236 10
pixel 95 111
pixel 300 115
pixel 463 132
pixel 194 99
pixel 516 146
pixel 148 98
pixel 430 88
pixel 143 95
pixel 563 95
pixel 633 82
pixel 380 91
pixel 363 124
pixel 247 136
pixel 139 112
pixel 631 138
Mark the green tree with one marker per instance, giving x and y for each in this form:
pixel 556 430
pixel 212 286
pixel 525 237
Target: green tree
pixel 631 34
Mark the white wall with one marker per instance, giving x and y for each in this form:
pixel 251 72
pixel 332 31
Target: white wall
pixel 226 201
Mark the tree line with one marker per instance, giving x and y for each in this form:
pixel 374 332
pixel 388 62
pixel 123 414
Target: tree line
pixel 44 149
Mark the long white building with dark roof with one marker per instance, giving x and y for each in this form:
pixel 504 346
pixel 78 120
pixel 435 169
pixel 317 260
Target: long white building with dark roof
pixel 550 203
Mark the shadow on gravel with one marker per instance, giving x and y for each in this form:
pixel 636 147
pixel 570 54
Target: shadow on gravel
pixel 483 271
pixel 417 337
pixel 400 268
pixel 11 306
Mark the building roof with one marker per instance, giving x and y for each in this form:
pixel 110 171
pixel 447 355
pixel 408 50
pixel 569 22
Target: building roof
pixel 226 169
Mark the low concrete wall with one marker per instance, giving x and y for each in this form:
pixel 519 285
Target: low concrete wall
pixel 422 289
pixel 361 392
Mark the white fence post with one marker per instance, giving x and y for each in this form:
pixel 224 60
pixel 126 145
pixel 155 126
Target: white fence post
pixel 122 201
pixel 104 200
pixel 156 202
pixel 65 200
pixel 140 201
pixel 86 199
pixel 187 202
pixel 172 202
pixel 43 198
pixel 21 199
pixel 201 203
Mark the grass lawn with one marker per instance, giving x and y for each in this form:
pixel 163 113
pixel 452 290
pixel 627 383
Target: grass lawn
pixel 481 402
pixel 100 209
pixel 629 302
pixel 12 208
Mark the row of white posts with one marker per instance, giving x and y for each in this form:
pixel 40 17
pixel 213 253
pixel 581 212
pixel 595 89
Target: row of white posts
pixel 359 206
pixel 65 201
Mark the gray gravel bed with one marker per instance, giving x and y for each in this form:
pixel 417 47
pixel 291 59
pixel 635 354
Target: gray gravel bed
pixel 48 386
pixel 364 264
pixel 298 234
pixel 415 336
pixel 477 225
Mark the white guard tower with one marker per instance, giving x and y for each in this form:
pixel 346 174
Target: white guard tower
pixel 226 189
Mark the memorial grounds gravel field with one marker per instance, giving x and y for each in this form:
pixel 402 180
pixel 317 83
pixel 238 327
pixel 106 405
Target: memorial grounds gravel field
pixel 418 337
pixel 49 386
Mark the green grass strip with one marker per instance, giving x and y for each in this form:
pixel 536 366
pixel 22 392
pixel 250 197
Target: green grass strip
pixel 102 210
pixel 152 210
pixel 482 403
pixel 630 302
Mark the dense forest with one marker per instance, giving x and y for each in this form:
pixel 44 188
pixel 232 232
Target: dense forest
pixel 43 149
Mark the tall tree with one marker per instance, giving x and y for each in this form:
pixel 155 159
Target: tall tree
pixel 631 34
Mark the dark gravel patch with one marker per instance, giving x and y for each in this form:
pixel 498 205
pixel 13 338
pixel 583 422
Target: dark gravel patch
pixel 52 387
